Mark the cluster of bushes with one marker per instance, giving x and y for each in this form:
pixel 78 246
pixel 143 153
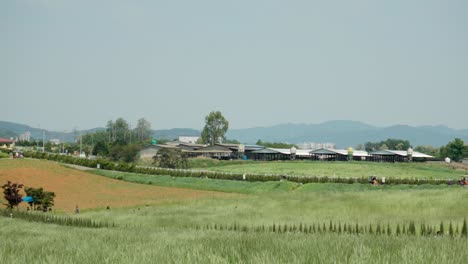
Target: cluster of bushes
pixel 127 167
pixel 54 219
pixel 377 229
pixel 103 163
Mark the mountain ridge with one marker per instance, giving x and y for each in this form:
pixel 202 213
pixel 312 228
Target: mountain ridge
pixel 343 133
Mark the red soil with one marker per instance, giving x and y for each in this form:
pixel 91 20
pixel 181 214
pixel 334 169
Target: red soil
pixel 73 187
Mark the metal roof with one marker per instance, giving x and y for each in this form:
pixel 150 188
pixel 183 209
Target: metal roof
pixel 6 140
pixel 299 152
pixel 402 153
pixel 344 152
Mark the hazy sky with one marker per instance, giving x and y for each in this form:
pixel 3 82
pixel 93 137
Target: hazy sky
pixel 66 64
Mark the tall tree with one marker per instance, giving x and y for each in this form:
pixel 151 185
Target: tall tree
pixel 110 130
pixel 454 150
pixel 215 128
pixel 143 129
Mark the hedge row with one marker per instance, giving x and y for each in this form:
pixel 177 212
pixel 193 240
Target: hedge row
pixel 126 167
pixel 53 219
pixel 376 229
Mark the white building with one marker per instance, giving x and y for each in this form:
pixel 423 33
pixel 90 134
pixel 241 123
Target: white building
pixel 26 136
pixel 55 141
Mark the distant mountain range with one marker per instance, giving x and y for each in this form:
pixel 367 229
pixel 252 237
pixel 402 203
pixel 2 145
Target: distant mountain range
pixel 343 133
pixel 9 129
pixel 346 133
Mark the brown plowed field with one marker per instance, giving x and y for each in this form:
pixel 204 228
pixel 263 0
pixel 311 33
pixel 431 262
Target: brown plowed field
pixel 73 187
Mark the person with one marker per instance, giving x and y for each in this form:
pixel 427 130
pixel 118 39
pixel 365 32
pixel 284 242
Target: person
pixel 77 210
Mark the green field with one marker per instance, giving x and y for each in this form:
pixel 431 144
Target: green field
pixel 339 169
pixel 169 232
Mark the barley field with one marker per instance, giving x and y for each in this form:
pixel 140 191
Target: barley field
pixel 199 230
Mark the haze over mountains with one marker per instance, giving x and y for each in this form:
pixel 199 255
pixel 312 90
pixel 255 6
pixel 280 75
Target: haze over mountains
pixel 343 133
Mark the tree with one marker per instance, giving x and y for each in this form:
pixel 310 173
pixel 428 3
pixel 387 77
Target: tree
pixel 100 148
pixel 171 158
pixel 274 144
pixel 429 150
pixel 11 193
pixel 125 153
pixel 454 150
pixel 118 131
pixel 43 200
pixel 143 129
pixel 390 143
pixel 215 128
pixel 122 131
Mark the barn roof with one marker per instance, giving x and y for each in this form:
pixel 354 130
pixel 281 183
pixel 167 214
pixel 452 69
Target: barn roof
pixel 6 140
pixel 403 153
pixel 344 152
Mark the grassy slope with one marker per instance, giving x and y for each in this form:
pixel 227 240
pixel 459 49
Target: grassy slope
pixel 342 169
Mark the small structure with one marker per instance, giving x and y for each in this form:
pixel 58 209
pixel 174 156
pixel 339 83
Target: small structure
pixel 7 143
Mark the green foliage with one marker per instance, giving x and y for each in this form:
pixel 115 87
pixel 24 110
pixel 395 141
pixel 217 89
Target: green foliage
pixel 231 141
pixel 171 158
pixel 215 128
pixel 43 200
pixel 125 153
pixel 464 231
pixel 12 194
pixel 143 130
pixel 429 150
pixel 275 144
pixel 455 150
pixel 412 228
pixel 391 143
pixel 101 148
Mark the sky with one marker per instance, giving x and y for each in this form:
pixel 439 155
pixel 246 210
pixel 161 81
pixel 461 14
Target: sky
pixel 77 64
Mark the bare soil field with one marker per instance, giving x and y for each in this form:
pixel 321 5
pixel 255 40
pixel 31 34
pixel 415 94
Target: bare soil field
pixel 73 187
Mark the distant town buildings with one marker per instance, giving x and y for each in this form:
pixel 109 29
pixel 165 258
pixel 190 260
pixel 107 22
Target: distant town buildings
pixel 55 141
pixel 313 145
pixel 26 136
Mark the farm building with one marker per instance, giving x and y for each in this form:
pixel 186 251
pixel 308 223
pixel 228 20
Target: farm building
pixel 219 151
pixel 148 152
pixel 189 146
pixel 337 154
pixel 6 143
pixel 397 156
pixel 279 154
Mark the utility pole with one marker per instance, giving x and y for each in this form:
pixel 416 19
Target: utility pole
pixel 43 140
pixel 81 145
